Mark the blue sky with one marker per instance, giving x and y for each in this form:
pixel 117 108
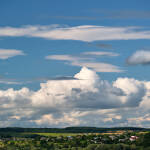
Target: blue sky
pixel 47 42
pixel 70 13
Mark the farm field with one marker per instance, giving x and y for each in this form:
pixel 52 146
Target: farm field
pixel 57 134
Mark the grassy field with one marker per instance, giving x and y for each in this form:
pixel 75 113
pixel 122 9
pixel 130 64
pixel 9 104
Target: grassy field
pixel 58 134
pixel 75 134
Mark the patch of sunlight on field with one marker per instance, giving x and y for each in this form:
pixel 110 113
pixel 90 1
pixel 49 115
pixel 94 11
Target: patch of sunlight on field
pixel 144 132
pixel 57 134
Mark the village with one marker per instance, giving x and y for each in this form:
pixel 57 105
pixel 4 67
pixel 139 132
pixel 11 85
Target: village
pixel 81 140
pixel 114 140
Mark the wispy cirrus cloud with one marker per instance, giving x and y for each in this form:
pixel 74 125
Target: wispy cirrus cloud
pixel 101 53
pixel 105 46
pixel 101 45
pixel 87 33
pixel 9 82
pixel 86 60
pixel 60 57
pixel 7 53
pixel 68 57
pixel 99 66
pixel 25 81
pixel 139 57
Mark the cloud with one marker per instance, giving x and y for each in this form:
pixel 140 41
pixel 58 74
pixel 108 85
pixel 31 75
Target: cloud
pixel 101 45
pixel 98 66
pixel 7 53
pixel 87 33
pixel 101 53
pixel 23 81
pixel 69 57
pixel 5 81
pixel 61 57
pixel 62 78
pixel 106 46
pixel 90 62
pixel 89 100
pixel 139 57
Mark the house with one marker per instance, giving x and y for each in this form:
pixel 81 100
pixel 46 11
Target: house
pixel 133 138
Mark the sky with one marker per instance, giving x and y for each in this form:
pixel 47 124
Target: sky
pixel 74 63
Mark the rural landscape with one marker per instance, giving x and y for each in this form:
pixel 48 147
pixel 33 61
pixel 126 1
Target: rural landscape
pixel 75 138
pixel 74 74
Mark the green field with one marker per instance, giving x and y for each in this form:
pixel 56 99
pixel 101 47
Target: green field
pixel 74 134
pixel 58 134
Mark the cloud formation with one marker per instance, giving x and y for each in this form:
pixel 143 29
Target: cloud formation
pixel 87 33
pixel 87 59
pixel 139 57
pixel 66 57
pixel 101 53
pixel 104 46
pixel 101 45
pixel 7 53
pixel 99 66
pixel 74 102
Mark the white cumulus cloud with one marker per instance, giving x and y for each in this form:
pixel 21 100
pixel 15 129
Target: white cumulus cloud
pixel 84 100
pixel 139 57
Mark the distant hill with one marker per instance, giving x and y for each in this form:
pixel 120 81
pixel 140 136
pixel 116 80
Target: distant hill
pixel 70 129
